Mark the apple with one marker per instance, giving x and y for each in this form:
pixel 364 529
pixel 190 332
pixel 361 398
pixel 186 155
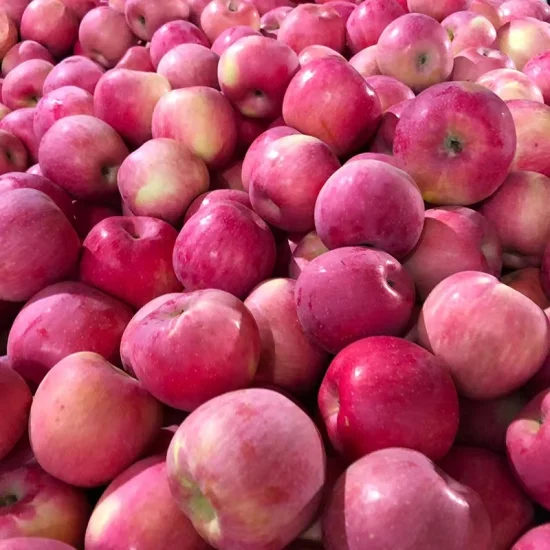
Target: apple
pixel 489 9
pixel 270 22
pixel 329 100
pixel 8 34
pixel 124 518
pixel 117 5
pixel 517 9
pixel 126 99
pixel 186 366
pixel 365 62
pixel 370 203
pixel 382 142
pixel 34 169
pixel 487 473
pixel 536 69
pixel 224 246
pixel 220 15
pixel 81 7
pixel 60 103
pixel 368 21
pixel 248 129
pixel 315 51
pixel 22 86
pixel 33 543
pixel 363 405
pixel 201 119
pixel 63 319
pixel 14 9
pixel 77 71
pixel 536 538
pixel 467 29
pixel 528 281
pixel 254 74
pixel 24 51
pixel 217 195
pixel 396 496
pixel 522 39
pixel 523 237
pixel 136 58
pixel 189 65
pixel 50 23
pixel 471 63
pixel 265 6
pixel 381 157
pixel 495 356
pixel 230 36
pixel 108 419
pixel 104 34
pixel 376 300
pixel 20 123
pixel 35 504
pixel 87 215
pixel 196 8
pixel 416 50
pixel 389 90
pixel 14 154
pixel 453 239
pixel 438 10
pixel 82 154
pixel 287 178
pixel 343 8
pixel 457 156
pixel 309 24
pixel 205 471
pixel 145 18
pixel 511 84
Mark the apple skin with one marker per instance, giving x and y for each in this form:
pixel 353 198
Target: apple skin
pixel 363 405
pixel 416 50
pixel 329 100
pixel 76 70
pixel 205 467
pixel 408 492
pixel 201 119
pixel 488 474
pixel 22 86
pixel 438 10
pixel 523 237
pixel 310 53
pixel 217 195
pixel 190 65
pixel 265 6
pixel 288 359
pixel 161 179
pixel 365 62
pixel 33 543
pixel 271 21
pixel 389 90
pixel 82 154
pixel 52 24
pixel 528 281
pixel 14 153
pixel 62 102
pixel 537 70
pixel 381 157
pixel 518 9
pixel 511 84
pixel 30 262
pixel 123 517
pixel 101 408
pixel 286 180
pixel 24 51
pixel 497 355
pixel 447 149
pixel 467 29
pixel 8 34
pixel 453 239
pixel 383 139
pixel 471 63
pixel 377 299
pixel 344 215
pixel 489 9
pixel 183 366
pixel 38 505
pixel 126 99
pixel 230 36
pixel 14 9
pixel 16 401
pixel 227 232
pixel 368 20
pixel 220 15
pixel 145 18
pixel 63 319
pixel 87 215
pixel 254 74
pixel 104 34
pixel 20 123
pixel 136 58
pixel 306 250
pixel 81 7
pixel 537 538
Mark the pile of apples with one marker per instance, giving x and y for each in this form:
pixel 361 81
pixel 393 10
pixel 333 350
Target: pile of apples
pixel 274 276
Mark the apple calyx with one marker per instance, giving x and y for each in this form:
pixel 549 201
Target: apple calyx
pixel 8 500
pixel 453 145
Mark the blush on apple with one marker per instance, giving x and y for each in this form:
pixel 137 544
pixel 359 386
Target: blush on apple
pixel 24 51
pixel 145 18
pixel 23 85
pixel 76 70
pixel 20 123
pixel 538 70
pixel 220 15
pixel 510 84
pixel 468 29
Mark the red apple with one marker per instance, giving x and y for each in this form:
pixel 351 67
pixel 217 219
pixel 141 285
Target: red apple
pixel 468 29
pixel 214 196
pixel 511 84
pixel 23 85
pixel 537 538
pixel 383 139
pixel 145 18
pixel 310 53
pixel 14 154
pixel 537 70
pixel 248 129
pixel 63 319
pixel 365 62
pixel 503 334
pixel 24 51
pixel 306 250
pixel 14 9
pixel 270 22
pixel 20 123
pixel 205 470
pixel 438 10
pixel 52 24
pixel 472 63
pixel 459 155
pixel 82 7
pixel 8 34
pixel 77 71
pixel 230 36
pixel 136 58
pixel 220 15
pixel 389 90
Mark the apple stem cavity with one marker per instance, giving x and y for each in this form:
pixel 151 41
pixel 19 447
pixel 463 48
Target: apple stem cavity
pixel 453 145
pixel 8 500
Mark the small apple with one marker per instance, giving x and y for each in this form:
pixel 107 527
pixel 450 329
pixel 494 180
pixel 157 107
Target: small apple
pixel 24 51
pixel 23 85
pixel 467 29
pixel 220 15
pixel 14 154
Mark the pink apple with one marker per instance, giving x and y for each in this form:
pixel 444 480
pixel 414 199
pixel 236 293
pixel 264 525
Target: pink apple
pixel 438 10
pixel 217 195
pixel 496 355
pixel 52 24
pixel 248 130
pixel 24 51
pixel 228 177
pixel 8 34
pixel 490 9
pixel 457 155
pixel 381 157
pixel 265 6
pixel 34 504
pixel 344 115
pixel 367 22
pixel 14 154
pixel 467 29
pixel 145 18
pixel 81 7
pixel 310 53
pixel 343 8
pixel 201 119
pixel 14 9
pixel 23 85
pixel 108 420
pixel 63 319
pixel 511 84
pixel 271 21
pixel 33 543
pixel 104 34
pixel 230 36
pixel 537 70
pixel 196 8
pixel 123 517
pixel 87 215
pixel 396 496
pixel 487 473
pixel 528 281
pixel 365 63
pixel 220 15
pixel 20 123
pixel 517 9
pixel 383 139
pixel 389 90
pixel 309 24
pixel 204 470
pixel 472 63
pixel 77 71
pixel 117 5
pixel 136 58
pixel 224 246
pixel 62 102
pixel 305 251
pixel 537 538
pixel 82 154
